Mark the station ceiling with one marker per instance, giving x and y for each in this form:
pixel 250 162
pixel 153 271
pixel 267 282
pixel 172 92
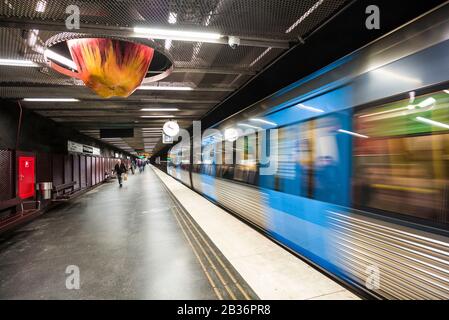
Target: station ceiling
pixel 213 71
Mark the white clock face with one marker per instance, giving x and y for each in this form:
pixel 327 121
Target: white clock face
pixel 171 128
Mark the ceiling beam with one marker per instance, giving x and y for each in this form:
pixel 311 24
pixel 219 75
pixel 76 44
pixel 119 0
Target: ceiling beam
pixel 127 32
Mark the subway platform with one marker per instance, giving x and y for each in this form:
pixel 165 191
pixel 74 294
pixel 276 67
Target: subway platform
pixel 152 239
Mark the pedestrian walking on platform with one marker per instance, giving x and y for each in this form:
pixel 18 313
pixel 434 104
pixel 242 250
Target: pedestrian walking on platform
pixel 120 169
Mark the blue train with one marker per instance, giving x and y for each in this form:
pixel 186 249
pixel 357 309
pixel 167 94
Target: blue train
pixel 361 157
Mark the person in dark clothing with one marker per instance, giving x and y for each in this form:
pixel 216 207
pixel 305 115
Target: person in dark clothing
pixel 119 170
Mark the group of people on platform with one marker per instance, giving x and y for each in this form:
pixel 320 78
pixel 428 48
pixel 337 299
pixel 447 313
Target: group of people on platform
pixel 121 169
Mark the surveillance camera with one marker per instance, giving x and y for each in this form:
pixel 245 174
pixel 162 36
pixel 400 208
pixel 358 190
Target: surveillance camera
pixel 234 42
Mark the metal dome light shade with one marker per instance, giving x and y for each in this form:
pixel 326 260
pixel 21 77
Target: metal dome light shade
pixel 110 67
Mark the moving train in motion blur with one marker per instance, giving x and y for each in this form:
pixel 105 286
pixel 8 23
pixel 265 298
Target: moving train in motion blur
pixel 361 186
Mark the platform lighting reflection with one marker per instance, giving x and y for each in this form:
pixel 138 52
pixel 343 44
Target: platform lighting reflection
pixel 165 88
pixel 409 107
pixel 159 109
pixel 358 135
pixel 49 54
pixel 427 103
pixel 50 100
pixel 263 121
pixel 192 36
pixel 397 76
pixel 432 122
pixel 249 126
pixel 18 63
pixel 312 109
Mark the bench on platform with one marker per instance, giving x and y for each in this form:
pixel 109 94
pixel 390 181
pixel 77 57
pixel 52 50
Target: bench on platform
pixel 15 218
pixel 60 191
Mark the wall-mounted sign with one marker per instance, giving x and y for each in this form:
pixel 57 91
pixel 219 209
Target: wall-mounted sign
pixel 82 148
pixel 74 147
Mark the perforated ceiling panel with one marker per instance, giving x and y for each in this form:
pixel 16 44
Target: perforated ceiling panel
pixel 213 70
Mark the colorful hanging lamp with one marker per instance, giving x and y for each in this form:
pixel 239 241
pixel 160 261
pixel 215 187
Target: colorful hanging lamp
pixel 110 67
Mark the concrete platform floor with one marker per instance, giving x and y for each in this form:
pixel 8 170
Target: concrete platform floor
pixel 128 243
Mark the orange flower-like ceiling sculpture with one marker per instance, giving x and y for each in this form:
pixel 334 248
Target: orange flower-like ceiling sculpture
pixel 110 67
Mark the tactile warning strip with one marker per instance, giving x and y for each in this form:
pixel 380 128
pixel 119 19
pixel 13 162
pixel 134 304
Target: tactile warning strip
pixel 224 279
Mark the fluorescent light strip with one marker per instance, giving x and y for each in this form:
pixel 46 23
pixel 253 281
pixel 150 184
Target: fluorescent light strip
pixel 159 109
pixel 50 99
pixel 165 88
pixel 180 35
pixel 312 109
pixel 248 126
pixel 169 116
pixel 358 135
pixel 432 123
pixel 18 63
pixel 263 121
pixel 48 54
pixel 260 57
pixel 304 16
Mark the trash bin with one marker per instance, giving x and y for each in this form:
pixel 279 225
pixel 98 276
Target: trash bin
pixel 45 189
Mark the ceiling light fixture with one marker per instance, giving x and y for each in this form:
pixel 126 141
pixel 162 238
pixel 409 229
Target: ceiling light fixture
pixel 49 54
pixel 18 63
pixel 159 109
pixel 165 88
pixel 172 34
pixel 304 16
pixel 172 17
pixel 41 5
pixel 50 99
pixel 260 57
pixel 169 116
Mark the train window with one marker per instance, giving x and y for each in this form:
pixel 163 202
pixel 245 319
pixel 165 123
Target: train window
pixel 246 166
pixel 294 159
pixel 332 157
pixel 402 164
